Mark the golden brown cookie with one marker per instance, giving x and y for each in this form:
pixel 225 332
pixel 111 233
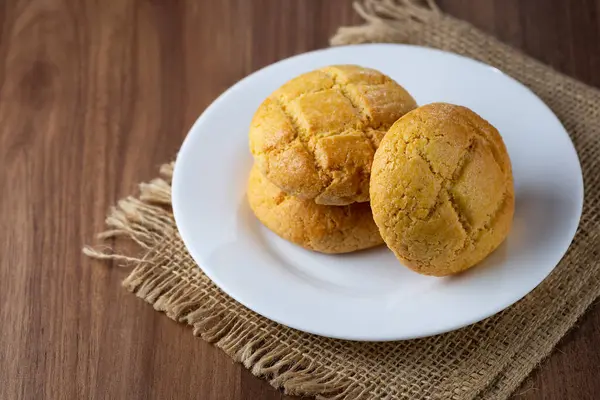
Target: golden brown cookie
pixel 327 229
pixel 442 189
pixel 315 136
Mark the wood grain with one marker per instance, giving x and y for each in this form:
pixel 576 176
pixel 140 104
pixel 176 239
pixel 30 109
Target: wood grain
pixel 94 95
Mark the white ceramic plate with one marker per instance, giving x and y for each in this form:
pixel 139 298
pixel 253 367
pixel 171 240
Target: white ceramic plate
pixel 369 295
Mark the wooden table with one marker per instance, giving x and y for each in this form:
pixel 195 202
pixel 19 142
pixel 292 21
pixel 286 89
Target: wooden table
pixel 94 95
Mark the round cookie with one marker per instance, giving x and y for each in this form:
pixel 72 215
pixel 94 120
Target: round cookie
pixel 316 135
pixel 327 229
pixel 442 189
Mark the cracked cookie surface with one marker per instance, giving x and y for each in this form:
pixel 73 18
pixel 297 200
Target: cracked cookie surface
pixel 326 229
pixel 316 135
pixel 442 189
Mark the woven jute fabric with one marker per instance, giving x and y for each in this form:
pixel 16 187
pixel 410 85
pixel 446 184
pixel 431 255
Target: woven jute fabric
pixel 487 360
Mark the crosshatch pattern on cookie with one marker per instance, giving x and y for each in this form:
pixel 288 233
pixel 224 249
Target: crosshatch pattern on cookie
pixel 315 137
pixel 442 171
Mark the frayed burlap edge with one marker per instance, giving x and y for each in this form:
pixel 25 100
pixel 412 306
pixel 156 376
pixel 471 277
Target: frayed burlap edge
pixel 148 221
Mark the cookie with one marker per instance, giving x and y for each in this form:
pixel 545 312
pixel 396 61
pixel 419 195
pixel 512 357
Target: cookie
pixel 316 135
pixel 442 189
pixel 327 229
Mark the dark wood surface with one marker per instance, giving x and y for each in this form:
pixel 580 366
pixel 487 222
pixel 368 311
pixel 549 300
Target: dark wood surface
pixel 94 95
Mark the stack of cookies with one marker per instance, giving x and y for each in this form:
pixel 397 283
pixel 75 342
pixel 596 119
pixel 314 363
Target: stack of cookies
pixel 313 142
pixel 329 142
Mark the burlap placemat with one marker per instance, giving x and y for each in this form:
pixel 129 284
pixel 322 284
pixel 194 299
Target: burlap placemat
pixel 486 360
